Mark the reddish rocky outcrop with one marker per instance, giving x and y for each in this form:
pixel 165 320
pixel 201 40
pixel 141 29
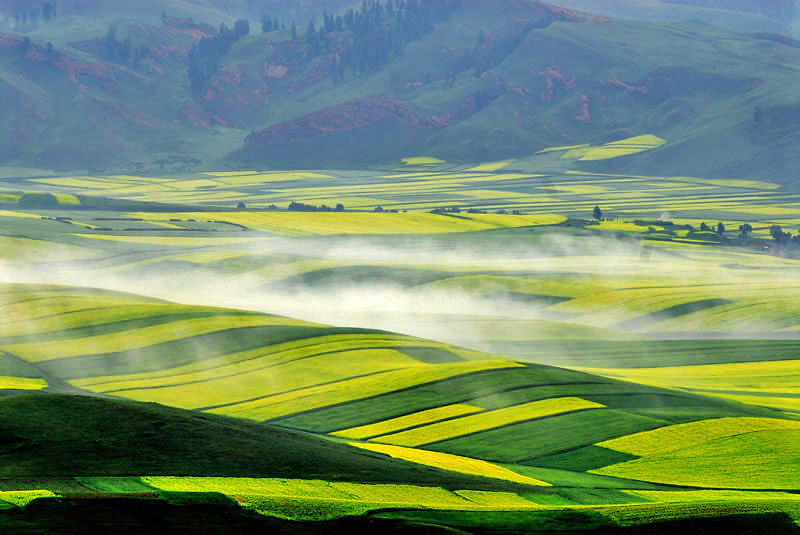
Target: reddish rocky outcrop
pixel 364 112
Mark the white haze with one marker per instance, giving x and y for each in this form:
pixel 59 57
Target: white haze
pixel 426 311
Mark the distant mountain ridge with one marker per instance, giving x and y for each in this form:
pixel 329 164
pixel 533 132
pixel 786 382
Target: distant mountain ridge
pixel 497 80
pixel 783 10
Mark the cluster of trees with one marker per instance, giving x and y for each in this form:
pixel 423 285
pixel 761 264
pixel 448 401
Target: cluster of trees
pixel 380 29
pixel 457 210
pixel 301 207
pixel 446 210
pixel 783 237
pixel 745 230
pixel 30 18
pixel 116 50
pixel 268 24
pixel 719 229
pixel 204 57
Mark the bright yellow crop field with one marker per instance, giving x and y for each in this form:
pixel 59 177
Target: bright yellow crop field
pixel 66 199
pixel 318 500
pixel 767 460
pixel 404 422
pixel 675 437
pixel 76 182
pixel 315 223
pixel 491 166
pixel 21 383
pixel 14 213
pixel 93 316
pixel 614 149
pixel 422 160
pixel 486 420
pixel 10 198
pixel 21 498
pixel 219 387
pixel 790 403
pixel 565 148
pixel 765 377
pixel 357 388
pixel 647 140
pixel 454 463
pixel 138 338
pixel 245 361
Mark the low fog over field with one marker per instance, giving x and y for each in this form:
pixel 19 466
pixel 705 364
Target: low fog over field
pixel 456 292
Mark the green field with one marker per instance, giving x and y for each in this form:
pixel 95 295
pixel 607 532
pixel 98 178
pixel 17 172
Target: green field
pixel 454 369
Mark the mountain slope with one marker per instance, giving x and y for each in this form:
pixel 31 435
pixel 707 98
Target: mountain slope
pixel 735 15
pixel 498 81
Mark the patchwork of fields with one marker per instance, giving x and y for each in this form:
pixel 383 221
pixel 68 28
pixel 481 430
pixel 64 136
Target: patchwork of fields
pixel 536 364
pixel 423 402
pixel 507 185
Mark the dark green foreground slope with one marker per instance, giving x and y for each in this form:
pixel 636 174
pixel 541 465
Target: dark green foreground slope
pixel 52 435
pixel 126 516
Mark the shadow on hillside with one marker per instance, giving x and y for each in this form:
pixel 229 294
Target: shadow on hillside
pixel 123 516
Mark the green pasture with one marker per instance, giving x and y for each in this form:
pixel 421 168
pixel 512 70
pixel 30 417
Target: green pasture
pixel 612 373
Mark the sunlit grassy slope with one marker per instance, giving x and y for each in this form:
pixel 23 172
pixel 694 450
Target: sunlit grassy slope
pixel 353 383
pixel 412 411
pixel 462 431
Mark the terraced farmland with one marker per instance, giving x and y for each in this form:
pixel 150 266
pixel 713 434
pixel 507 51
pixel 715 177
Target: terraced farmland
pixel 542 365
pixel 505 185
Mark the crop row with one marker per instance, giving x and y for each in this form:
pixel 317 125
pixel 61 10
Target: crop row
pixel 484 421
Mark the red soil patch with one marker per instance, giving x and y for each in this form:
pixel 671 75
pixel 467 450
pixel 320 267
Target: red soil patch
pixel 584 114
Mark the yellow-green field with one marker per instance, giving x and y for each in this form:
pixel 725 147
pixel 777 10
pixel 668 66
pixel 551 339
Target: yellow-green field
pixel 476 423
pixel 21 498
pixel 490 186
pixel 726 453
pixel 625 368
pixel 21 383
pixel 769 383
pixel 454 463
pixel 404 422
pixel 305 224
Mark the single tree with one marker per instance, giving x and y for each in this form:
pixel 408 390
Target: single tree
pixel 241 205
pixel 294 31
pixel 164 17
pixel 597 213
pixel 704 227
pixel 311 33
pixel 720 228
pixel 49 48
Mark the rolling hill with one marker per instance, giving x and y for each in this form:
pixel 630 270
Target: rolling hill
pixel 498 82
pixel 306 422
